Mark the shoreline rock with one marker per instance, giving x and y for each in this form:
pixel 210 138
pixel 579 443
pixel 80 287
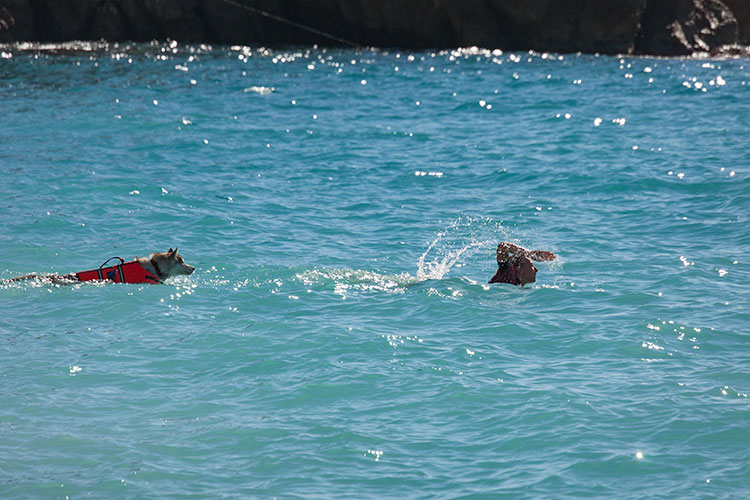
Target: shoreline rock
pixel 642 27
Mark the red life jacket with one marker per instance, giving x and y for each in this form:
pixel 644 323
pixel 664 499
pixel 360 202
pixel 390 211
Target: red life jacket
pixel 124 272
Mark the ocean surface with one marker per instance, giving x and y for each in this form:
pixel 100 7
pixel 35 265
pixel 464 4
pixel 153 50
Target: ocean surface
pixel 338 338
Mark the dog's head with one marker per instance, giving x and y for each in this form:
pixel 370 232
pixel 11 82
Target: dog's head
pixel 525 270
pixel 171 263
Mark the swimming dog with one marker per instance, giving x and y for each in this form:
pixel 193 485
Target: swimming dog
pixel 514 264
pixel 155 268
pixel 165 264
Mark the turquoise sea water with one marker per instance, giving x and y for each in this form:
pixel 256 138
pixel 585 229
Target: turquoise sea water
pixel 338 338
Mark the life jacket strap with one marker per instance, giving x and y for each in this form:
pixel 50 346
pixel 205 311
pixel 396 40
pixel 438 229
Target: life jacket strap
pixel 119 267
pixel 158 271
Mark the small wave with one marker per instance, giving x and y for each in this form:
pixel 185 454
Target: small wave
pixel 260 90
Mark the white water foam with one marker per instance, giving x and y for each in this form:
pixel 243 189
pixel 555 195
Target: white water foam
pixel 347 281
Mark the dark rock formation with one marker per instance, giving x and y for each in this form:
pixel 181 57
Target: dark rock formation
pixel 16 20
pixel 664 27
pixel 741 11
pixel 681 27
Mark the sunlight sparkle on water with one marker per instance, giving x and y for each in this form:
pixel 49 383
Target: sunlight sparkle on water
pixel 395 201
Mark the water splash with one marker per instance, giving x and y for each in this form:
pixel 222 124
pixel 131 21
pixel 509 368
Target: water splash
pixel 439 267
pixel 452 246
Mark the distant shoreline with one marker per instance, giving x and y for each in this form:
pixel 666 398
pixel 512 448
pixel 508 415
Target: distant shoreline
pixel 642 27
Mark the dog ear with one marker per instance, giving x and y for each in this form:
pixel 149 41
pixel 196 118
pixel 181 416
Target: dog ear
pixel 170 250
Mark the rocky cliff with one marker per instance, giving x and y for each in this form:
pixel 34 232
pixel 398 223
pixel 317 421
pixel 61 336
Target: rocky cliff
pixel 662 27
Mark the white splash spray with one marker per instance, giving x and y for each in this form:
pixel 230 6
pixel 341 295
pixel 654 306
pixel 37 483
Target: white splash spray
pixel 451 248
pixel 453 245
